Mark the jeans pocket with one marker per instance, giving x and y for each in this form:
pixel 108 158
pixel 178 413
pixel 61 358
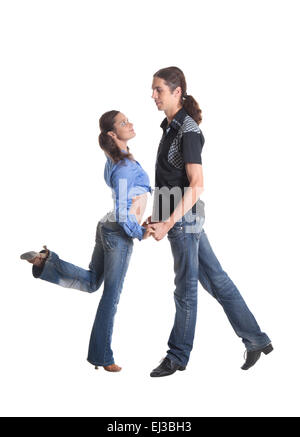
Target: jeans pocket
pixel 195 227
pixel 112 229
pixel 176 231
pixel 111 237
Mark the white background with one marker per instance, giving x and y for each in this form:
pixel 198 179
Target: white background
pixel 64 63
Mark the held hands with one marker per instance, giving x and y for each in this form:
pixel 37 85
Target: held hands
pixel 149 231
pixel 157 230
pixel 147 221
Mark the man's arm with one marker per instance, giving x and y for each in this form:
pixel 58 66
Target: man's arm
pixel 192 194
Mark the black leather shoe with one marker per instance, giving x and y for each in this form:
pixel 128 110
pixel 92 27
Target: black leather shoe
pixel 166 367
pixel 253 356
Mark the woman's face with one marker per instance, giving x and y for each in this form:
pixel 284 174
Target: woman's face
pixel 123 128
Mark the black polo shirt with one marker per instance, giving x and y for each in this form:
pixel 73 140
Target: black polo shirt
pixel 181 143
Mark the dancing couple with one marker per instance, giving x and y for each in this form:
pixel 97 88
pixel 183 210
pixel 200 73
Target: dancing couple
pixel 177 212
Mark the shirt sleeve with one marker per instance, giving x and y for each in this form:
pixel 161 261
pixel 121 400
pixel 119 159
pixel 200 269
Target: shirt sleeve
pixel 122 180
pixel 192 144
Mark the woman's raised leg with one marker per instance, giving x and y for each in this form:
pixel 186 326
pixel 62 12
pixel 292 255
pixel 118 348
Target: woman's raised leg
pixel 68 275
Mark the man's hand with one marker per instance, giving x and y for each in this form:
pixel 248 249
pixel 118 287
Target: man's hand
pixel 160 229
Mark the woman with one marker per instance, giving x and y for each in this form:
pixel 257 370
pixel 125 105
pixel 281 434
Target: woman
pixel 114 238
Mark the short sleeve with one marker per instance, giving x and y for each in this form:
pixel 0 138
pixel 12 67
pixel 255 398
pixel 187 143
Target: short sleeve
pixel 192 144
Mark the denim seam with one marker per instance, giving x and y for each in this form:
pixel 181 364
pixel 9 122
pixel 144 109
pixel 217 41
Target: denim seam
pixel 110 328
pixel 55 262
pixel 216 295
pixel 186 289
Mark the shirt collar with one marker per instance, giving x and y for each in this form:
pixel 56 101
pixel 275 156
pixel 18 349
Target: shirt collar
pixel 177 121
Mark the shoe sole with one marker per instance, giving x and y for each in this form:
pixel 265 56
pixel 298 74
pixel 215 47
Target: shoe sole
pixel 159 376
pixel 29 255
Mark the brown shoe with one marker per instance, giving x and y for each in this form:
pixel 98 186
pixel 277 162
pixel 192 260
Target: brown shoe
pixel 111 368
pixel 36 258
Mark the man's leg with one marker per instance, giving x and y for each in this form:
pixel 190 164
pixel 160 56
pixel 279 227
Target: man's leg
pixel 184 247
pixel 220 286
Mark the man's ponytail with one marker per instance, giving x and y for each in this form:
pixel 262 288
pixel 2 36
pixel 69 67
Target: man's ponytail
pixel 192 108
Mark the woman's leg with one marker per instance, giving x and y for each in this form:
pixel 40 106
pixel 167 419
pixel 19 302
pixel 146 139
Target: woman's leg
pixel 117 252
pixel 68 275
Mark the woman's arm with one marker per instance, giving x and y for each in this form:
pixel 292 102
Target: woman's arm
pixel 138 206
pixel 128 211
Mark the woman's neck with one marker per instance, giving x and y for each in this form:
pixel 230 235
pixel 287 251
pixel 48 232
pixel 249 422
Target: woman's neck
pixel 122 145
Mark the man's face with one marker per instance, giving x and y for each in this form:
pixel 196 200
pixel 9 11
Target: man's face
pixel 162 95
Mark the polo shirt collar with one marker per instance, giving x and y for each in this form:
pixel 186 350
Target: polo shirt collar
pixel 177 121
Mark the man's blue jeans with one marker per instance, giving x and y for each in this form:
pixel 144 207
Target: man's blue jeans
pixel 195 260
pixel 109 263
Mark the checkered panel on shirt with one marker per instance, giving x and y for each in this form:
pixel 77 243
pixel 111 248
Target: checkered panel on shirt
pixel 175 157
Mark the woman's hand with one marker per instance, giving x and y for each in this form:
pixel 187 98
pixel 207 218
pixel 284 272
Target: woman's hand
pixel 147 221
pixel 159 230
pixel 149 231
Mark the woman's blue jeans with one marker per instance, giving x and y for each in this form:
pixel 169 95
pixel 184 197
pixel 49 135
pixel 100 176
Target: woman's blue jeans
pixel 195 260
pixel 109 263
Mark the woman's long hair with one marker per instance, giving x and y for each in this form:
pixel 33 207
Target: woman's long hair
pixel 174 77
pixel 106 142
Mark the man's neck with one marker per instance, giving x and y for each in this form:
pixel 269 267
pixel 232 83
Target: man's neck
pixel 170 113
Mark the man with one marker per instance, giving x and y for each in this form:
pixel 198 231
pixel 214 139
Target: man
pixel 179 167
